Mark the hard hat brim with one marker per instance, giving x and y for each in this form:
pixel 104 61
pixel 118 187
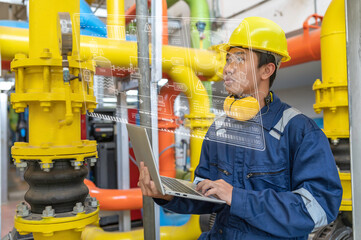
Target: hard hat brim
pixel 224 47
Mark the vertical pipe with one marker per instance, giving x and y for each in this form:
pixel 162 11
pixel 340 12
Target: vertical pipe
pixel 144 104
pixel 4 157
pixel 122 157
pixel 116 19
pixel 353 44
pixel 1 157
pixel 200 31
pixel 116 30
pixel 156 73
pixel 44 9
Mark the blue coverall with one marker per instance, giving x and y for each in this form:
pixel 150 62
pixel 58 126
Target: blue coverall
pixel 283 192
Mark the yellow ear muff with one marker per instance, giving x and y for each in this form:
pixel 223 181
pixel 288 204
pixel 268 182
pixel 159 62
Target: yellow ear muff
pixel 241 109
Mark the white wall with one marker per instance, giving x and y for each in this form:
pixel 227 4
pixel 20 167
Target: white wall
pixel 301 98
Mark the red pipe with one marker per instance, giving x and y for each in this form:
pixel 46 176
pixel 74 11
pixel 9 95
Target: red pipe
pixel 167 121
pixel 305 47
pixel 116 199
pixel 131 12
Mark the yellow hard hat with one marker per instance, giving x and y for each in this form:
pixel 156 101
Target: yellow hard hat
pixel 259 34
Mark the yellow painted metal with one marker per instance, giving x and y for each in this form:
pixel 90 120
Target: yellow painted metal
pixel 12 41
pixel 55 106
pixel 116 19
pixel 346 204
pixel 62 228
pixel 190 230
pixel 123 53
pixel 331 93
pixel 44 15
pixel 199 118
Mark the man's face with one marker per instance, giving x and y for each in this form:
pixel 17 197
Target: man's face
pixel 239 77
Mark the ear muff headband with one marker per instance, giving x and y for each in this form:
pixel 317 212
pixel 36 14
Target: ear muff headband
pixel 241 109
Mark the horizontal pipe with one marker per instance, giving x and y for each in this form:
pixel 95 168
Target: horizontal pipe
pixel 114 199
pixel 304 48
pixel 190 230
pixel 119 53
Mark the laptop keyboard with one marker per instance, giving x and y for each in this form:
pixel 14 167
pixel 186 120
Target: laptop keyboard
pixel 176 186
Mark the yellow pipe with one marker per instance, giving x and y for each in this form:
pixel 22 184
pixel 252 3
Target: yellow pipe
pixel 199 118
pixel 116 19
pixel 54 108
pixel 190 230
pixel 332 96
pixel 44 15
pixel 122 53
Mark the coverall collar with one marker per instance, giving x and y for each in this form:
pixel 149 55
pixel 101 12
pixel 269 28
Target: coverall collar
pixel 269 115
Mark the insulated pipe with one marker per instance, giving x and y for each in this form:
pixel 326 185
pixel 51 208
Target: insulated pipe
pixel 114 199
pixel 167 120
pixel 116 19
pixel 190 230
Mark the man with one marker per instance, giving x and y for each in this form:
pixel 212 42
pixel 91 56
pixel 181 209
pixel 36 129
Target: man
pixel 283 192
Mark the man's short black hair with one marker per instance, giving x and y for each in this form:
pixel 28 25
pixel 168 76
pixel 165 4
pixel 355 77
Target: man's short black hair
pixel 265 58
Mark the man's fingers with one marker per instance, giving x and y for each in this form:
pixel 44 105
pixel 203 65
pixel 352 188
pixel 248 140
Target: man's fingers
pixel 206 187
pixel 146 176
pixel 201 184
pixel 143 189
pixel 212 191
pixel 153 188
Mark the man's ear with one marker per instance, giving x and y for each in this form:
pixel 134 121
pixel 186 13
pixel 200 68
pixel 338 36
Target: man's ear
pixel 267 70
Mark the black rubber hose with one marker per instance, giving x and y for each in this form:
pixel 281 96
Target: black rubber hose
pixel 60 188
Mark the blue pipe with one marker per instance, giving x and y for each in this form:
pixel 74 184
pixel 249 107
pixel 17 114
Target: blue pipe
pixel 16 24
pixel 90 22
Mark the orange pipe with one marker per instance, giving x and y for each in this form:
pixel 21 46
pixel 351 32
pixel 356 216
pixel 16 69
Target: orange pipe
pixel 131 12
pixel 114 199
pixel 305 47
pixel 167 120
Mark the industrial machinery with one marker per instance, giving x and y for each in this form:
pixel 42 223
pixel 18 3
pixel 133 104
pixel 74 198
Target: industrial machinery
pixel 55 84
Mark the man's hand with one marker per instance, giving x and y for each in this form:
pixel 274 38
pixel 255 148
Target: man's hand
pixel 219 188
pixel 147 186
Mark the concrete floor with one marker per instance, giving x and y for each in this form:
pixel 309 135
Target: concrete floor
pixel 17 188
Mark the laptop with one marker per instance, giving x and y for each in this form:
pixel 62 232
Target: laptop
pixel 166 185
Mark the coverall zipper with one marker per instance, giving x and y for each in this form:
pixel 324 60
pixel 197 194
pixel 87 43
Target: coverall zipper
pixel 263 173
pixel 220 169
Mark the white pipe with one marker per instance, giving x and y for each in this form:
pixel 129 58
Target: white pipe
pixel 353 43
